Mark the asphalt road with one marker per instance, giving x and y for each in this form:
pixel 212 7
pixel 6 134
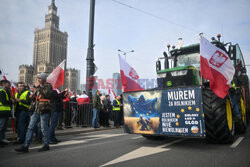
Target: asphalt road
pixel 114 148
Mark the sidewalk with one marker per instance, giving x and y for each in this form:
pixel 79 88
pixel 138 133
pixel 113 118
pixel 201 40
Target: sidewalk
pixel 66 131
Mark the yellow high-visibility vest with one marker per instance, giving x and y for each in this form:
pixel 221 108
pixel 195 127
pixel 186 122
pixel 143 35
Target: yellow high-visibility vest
pixel 117 108
pixel 23 97
pixel 234 86
pixel 3 107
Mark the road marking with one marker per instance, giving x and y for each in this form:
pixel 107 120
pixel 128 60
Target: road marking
pixel 77 141
pixel 138 137
pixel 142 152
pixel 237 142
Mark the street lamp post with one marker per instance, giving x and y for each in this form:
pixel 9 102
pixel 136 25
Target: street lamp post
pixel 90 55
pixel 125 53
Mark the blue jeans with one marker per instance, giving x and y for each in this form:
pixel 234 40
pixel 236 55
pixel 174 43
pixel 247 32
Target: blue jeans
pixel 23 122
pixel 53 123
pixel 95 118
pixel 74 115
pixel 3 127
pixel 44 118
pixel 38 131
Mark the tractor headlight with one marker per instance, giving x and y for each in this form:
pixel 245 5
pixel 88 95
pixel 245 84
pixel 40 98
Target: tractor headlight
pixel 163 75
pixel 179 73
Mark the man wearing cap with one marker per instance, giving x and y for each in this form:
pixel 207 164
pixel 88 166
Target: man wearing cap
pixel 43 95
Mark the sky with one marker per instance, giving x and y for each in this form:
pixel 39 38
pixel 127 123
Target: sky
pixel 146 27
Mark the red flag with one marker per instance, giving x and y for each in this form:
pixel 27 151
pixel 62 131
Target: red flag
pixel 216 67
pixel 56 78
pixel 129 77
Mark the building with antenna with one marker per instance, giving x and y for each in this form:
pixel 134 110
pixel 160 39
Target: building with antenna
pixel 50 49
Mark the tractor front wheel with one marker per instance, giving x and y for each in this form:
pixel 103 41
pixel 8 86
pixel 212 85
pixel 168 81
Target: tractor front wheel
pixel 219 122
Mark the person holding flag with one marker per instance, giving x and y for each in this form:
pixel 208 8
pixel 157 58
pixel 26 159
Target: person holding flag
pixel 43 95
pixel 5 108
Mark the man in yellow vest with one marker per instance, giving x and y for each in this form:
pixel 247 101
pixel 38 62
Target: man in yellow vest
pixel 5 108
pixel 23 101
pixel 117 111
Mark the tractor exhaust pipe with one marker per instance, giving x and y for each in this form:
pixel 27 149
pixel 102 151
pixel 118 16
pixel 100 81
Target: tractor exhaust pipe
pixel 166 60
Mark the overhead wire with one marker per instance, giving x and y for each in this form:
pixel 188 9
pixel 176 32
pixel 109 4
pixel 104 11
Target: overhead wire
pixel 155 16
pixel 160 18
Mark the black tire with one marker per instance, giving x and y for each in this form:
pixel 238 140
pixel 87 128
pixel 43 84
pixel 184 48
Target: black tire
pixel 153 137
pixel 241 125
pixel 244 80
pixel 216 118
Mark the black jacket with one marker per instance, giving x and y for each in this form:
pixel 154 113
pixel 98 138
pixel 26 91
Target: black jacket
pixel 107 105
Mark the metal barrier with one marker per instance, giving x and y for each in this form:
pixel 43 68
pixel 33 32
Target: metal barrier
pixel 78 114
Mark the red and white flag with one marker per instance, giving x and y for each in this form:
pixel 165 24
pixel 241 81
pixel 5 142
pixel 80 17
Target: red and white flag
pixel 56 78
pixel 112 96
pixel 216 67
pixel 2 75
pixel 129 77
pixel 83 99
pixel 13 89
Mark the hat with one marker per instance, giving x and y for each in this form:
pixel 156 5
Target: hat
pixel 43 76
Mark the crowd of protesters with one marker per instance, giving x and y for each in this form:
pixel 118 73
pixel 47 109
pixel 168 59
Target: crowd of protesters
pixel 104 110
pixel 39 110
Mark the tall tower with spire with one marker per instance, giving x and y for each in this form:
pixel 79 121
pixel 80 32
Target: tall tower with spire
pixel 50 49
pixel 50 44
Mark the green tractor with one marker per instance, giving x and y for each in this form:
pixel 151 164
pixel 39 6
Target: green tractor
pixel 183 104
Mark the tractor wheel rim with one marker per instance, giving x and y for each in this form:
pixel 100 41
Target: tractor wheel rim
pixel 243 109
pixel 229 115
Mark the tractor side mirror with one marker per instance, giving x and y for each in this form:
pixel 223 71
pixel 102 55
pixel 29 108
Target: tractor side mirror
pixel 158 65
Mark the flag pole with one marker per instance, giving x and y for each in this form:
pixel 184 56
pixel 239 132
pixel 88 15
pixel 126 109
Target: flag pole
pixel 13 114
pixel 13 124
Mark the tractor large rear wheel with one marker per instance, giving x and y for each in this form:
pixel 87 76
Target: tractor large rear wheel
pixel 218 118
pixel 241 125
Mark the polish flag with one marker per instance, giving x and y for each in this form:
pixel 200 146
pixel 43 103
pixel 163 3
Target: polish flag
pixel 83 99
pixel 56 78
pixel 112 96
pixel 3 77
pixel 129 77
pixel 13 89
pixel 216 67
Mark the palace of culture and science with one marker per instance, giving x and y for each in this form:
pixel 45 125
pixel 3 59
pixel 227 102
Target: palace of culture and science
pixel 50 49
